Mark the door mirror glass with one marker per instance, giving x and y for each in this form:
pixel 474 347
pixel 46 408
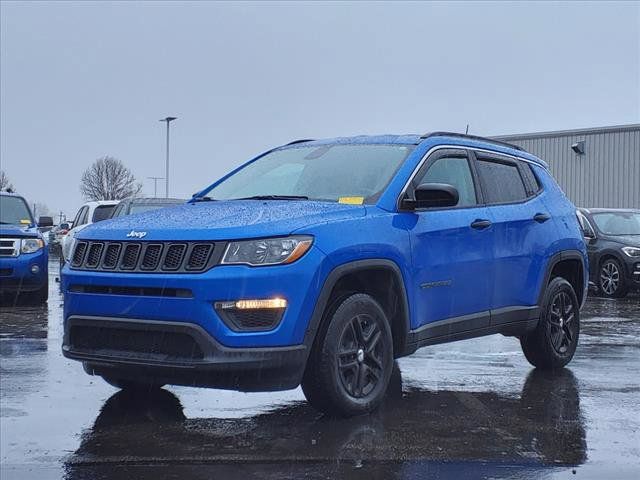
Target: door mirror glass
pixel 436 195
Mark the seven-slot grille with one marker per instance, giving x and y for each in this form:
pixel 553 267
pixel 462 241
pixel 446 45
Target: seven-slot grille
pixel 9 247
pixel 143 256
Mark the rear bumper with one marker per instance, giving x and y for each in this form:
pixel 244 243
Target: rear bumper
pixel 196 359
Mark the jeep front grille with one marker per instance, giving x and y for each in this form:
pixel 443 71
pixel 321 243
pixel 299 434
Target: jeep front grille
pixel 147 257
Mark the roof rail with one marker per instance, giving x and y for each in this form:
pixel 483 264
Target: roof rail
pixel 302 140
pixel 472 137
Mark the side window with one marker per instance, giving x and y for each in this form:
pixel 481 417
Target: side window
pixel 102 213
pixel 501 182
pixel 529 177
pixel 454 171
pixel 79 217
pixel 585 226
pixel 84 218
pixel 119 210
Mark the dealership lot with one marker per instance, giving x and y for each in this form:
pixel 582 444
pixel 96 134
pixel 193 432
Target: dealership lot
pixel 474 408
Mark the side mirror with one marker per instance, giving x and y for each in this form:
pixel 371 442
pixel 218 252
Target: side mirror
pixel 433 195
pixel 45 222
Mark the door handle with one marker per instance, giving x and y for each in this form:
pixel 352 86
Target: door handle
pixel 481 224
pixel 541 217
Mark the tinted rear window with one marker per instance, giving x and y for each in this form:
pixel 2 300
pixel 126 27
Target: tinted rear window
pixel 501 182
pixel 530 179
pixel 102 212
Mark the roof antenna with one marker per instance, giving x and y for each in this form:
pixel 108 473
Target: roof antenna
pixel 466 132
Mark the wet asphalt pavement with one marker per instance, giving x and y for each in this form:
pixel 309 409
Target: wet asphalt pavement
pixel 471 409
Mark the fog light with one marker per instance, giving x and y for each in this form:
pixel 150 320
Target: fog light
pixel 253 304
pixel 35 269
pixel 253 314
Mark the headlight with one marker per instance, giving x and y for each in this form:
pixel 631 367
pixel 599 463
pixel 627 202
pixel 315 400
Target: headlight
pixel 31 245
pixel 267 251
pixel 631 251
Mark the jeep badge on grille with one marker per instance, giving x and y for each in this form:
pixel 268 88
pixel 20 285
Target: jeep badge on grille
pixel 134 234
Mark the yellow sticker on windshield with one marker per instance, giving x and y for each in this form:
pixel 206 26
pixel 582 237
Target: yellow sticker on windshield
pixel 351 200
pixel 25 222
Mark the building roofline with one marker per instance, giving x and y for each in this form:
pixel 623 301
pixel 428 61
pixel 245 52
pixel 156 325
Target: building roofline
pixel 564 133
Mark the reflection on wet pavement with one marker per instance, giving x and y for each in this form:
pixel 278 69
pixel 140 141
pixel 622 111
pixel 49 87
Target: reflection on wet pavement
pixel 472 409
pixel 413 425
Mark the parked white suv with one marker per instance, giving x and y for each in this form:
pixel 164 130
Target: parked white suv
pixel 90 212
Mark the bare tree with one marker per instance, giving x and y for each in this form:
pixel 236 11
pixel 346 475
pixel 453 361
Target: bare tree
pixel 5 183
pixel 108 179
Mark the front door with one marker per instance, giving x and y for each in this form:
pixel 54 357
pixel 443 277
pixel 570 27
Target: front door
pixel 452 248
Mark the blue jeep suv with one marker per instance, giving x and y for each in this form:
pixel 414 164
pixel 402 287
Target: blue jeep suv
pixel 321 261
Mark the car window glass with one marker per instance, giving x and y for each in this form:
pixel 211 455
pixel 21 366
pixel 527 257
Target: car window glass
pixel 119 210
pixel 587 229
pixel 325 172
pixel 102 213
pixel 501 182
pixel 530 178
pixel 618 223
pixel 284 178
pixel 81 217
pixel 453 171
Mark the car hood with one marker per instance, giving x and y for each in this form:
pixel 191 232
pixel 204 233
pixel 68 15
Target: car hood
pixel 628 240
pixel 221 220
pixel 19 231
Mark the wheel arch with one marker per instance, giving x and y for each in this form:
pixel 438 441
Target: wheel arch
pixel 569 264
pixel 366 276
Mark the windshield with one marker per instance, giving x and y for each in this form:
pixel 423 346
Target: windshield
pixel 618 223
pixel 346 173
pixel 14 210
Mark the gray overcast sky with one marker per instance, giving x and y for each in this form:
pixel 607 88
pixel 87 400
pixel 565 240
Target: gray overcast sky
pixel 82 80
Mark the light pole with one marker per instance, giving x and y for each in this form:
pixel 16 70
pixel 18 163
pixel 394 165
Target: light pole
pixel 155 185
pixel 168 120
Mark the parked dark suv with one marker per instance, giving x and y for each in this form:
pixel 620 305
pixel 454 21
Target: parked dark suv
pixel 613 245
pixel 320 261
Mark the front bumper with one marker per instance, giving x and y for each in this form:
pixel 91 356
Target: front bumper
pixel 632 269
pixel 190 297
pixel 171 316
pixel 16 274
pixel 178 353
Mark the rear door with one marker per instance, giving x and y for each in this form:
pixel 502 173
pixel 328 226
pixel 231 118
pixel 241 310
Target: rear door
pixel 522 228
pixel 452 247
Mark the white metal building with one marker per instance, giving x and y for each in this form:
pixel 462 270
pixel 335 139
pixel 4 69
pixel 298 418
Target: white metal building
pixel 596 167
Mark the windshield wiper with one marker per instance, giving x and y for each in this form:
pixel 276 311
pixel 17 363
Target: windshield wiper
pixel 274 197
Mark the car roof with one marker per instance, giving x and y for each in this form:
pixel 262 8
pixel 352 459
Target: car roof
pixel 433 138
pixel 99 203
pixel 153 200
pixel 609 210
pixel 11 194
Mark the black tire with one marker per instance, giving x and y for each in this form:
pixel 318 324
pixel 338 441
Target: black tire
pixel 38 297
pixel 553 343
pixel 611 281
pixel 352 359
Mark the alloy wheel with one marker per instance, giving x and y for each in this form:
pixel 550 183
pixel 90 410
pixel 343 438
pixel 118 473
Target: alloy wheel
pixel 563 328
pixel 361 356
pixel 609 278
